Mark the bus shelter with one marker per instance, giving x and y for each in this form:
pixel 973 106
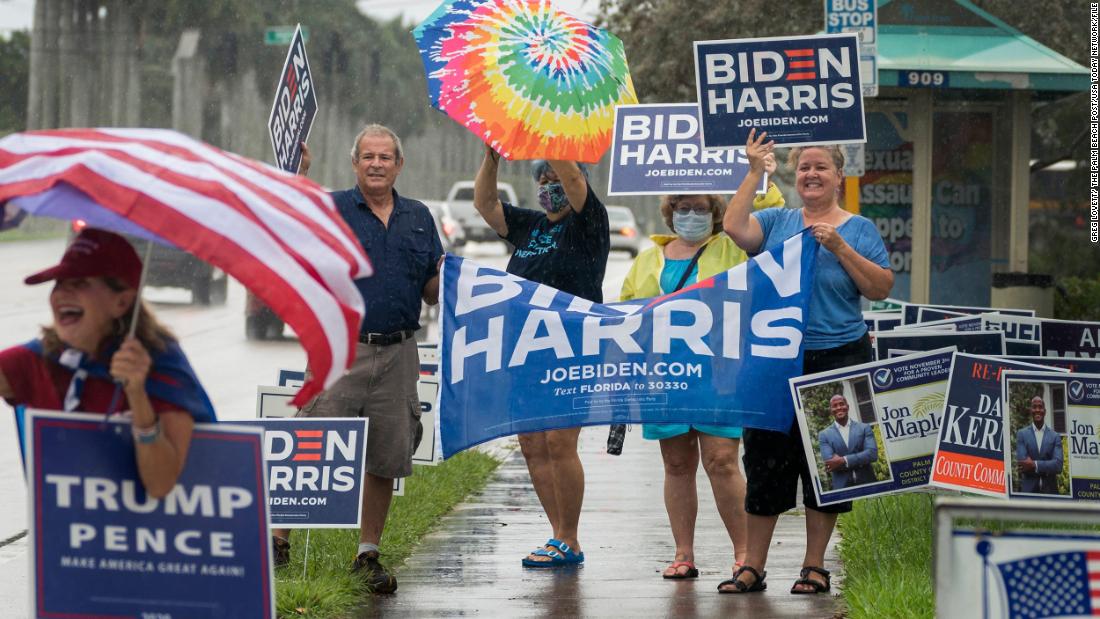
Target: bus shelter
pixel 949 143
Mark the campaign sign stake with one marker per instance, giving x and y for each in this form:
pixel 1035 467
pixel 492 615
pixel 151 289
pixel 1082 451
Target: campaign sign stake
pixel 294 107
pixel 657 150
pixel 970 449
pixel 896 404
pixel 801 90
pixel 524 357
pixel 315 470
pixel 100 547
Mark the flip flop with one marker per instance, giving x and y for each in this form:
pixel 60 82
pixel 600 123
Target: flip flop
pixel 560 554
pixel 692 572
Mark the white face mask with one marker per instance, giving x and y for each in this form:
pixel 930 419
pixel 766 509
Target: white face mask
pixel 692 226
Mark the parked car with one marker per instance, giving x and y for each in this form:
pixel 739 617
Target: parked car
pixel 171 267
pixel 460 201
pixel 624 230
pixel 451 233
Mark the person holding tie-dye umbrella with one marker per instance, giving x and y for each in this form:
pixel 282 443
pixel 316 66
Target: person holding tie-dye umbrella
pixel 563 245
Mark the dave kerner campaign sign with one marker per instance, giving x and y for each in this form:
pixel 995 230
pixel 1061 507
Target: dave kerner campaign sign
pixel 314 470
pixel 896 404
pixel 970 448
pixel 1052 447
pixel 523 357
pixel 657 149
pixel 294 107
pixel 801 90
pixel 101 547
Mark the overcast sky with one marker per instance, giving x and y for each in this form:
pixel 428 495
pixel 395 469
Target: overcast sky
pixel 18 14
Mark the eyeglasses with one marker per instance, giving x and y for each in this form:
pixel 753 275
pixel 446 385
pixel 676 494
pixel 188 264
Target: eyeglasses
pixel 684 209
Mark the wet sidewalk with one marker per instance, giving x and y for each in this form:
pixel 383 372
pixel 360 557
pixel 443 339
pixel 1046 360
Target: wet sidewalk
pixel 471 565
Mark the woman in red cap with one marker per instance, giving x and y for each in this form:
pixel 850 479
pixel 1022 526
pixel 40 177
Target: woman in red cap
pixel 78 360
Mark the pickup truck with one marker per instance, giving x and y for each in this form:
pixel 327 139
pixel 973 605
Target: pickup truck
pixel 460 201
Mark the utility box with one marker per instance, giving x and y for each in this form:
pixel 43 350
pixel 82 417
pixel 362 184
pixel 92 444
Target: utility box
pixel 1024 290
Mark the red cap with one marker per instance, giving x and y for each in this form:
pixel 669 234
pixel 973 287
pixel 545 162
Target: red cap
pixel 95 253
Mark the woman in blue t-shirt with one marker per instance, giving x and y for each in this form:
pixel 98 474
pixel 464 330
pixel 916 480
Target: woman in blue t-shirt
pixel 851 262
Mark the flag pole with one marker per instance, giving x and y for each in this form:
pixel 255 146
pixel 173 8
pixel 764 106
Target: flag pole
pixel 111 408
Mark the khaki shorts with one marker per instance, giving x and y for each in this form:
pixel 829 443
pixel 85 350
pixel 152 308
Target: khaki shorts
pixel 381 386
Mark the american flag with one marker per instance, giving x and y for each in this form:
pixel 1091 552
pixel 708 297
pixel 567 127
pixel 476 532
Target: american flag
pixel 1060 584
pixel 277 233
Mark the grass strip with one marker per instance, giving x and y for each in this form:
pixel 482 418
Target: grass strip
pixel 329 590
pixel 886 547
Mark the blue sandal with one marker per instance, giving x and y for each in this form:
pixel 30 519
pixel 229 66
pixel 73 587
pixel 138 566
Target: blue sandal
pixel 560 554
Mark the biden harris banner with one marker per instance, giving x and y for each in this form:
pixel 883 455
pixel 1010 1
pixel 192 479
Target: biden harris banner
pixel 801 90
pixel 657 149
pixel 518 356
pixel 101 547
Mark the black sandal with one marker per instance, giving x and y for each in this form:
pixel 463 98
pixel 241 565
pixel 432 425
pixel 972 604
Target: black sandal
pixel 741 587
pixel 818 586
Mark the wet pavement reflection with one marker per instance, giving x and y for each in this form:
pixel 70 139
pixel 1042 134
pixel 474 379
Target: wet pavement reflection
pixel 471 565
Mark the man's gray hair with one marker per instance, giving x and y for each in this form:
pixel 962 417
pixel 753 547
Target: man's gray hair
pixel 375 130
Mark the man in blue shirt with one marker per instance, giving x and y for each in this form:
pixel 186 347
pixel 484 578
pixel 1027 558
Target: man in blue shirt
pixel 400 239
pixel 563 245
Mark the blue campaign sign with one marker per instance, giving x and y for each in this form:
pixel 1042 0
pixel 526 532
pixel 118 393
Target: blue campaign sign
pixel 100 547
pixel 1021 332
pixel 294 107
pixel 974 342
pixel 657 150
pixel 900 402
pixel 801 90
pixel 912 312
pixel 1072 364
pixel 1068 338
pixel 315 470
pixel 1063 460
pixel 523 357
pixel 970 448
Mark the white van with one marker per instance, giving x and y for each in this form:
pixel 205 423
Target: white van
pixel 460 201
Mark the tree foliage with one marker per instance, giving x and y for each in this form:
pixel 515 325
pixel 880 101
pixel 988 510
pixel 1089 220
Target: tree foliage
pixel 370 68
pixel 14 67
pixel 658 35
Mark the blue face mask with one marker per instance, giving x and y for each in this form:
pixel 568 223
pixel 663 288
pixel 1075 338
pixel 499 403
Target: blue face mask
pixel 552 197
pixel 692 226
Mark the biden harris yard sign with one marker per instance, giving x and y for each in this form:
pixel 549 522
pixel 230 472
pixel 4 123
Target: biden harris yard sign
pixel 100 547
pixel 518 356
pixel 315 470
pixel 294 107
pixel 801 90
pixel 657 149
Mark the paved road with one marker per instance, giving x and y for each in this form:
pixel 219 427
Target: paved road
pixel 471 565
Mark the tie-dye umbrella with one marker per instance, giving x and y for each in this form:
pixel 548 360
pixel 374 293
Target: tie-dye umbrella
pixel 528 79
